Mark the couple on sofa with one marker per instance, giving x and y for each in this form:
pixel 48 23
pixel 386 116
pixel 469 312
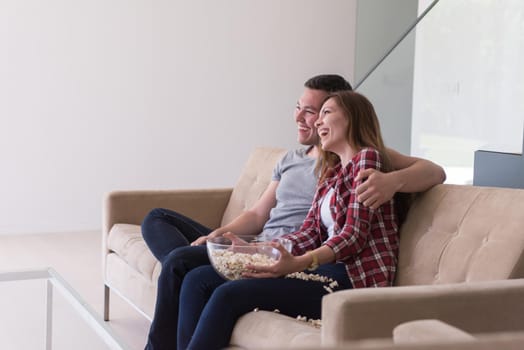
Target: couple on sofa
pixel 333 199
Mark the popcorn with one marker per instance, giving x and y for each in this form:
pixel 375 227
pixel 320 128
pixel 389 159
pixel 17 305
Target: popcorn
pixel 315 277
pixel 314 323
pixel 232 264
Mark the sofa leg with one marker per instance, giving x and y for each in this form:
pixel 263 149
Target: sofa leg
pixel 106 303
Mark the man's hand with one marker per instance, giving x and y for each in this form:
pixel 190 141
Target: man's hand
pixel 200 240
pixel 377 189
pixel 203 239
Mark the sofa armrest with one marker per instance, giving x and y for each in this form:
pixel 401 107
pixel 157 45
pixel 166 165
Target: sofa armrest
pixel 206 206
pixel 475 307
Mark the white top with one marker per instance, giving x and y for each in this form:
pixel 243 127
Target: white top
pixel 326 216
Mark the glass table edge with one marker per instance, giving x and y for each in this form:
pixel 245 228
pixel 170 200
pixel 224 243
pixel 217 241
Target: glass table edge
pixel 84 309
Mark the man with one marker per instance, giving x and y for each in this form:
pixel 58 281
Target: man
pixel 281 208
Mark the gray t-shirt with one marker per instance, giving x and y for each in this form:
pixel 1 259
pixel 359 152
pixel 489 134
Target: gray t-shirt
pixel 297 183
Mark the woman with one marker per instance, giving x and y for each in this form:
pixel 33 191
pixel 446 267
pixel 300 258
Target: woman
pixel 340 238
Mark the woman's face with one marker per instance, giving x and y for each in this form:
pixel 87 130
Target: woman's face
pixel 332 126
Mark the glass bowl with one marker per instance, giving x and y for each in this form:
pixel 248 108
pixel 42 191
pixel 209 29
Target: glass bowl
pixel 230 260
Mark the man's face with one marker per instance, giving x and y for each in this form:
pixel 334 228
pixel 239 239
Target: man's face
pixel 306 114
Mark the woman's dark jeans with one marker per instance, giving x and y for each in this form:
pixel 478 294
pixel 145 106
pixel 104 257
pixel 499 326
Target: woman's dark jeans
pixel 168 235
pixel 210 306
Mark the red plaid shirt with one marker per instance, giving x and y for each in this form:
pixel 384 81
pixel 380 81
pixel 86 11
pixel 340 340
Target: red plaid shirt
pixel 364 239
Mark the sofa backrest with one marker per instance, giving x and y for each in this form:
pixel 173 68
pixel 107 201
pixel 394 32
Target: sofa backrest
pixel 253 180
pixel 457 233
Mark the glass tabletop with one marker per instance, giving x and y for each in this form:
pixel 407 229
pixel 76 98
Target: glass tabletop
pixel 39 310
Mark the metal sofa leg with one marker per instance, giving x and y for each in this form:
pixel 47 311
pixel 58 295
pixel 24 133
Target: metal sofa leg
pixel 106 303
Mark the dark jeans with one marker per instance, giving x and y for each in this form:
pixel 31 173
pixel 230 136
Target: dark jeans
pixel 165 230
pixel 210 306
pixel 168 234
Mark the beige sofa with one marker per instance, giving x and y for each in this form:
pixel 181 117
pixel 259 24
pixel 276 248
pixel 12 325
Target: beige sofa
pixel 434 334
pixel 455 237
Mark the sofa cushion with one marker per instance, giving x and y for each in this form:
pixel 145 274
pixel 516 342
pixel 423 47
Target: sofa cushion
pixel 253 180
pixel 266 329
pixel 462 233
pixel 428 330
pixel 127 242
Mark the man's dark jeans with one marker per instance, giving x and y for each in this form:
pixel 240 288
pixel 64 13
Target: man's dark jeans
pixel 168 235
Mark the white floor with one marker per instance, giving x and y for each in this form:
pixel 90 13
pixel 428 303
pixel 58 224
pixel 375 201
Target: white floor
pixel 77 258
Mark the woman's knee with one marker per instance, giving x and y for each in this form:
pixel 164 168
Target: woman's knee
pixel 184 259
pixel 202 278
pixel 232 291
pixel 201 273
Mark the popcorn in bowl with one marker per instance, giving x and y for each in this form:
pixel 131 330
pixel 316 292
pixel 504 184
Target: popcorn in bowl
pixel 230 259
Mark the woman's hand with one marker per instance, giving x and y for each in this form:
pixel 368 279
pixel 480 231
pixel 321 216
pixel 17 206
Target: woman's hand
pixel 287 263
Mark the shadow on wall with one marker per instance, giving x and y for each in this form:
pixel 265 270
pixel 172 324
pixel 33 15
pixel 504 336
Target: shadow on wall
pixel 499 169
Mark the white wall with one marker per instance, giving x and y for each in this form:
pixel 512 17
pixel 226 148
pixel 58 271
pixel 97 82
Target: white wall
pixel 103 95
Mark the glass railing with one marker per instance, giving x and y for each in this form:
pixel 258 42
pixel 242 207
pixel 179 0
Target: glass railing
pixel 454 84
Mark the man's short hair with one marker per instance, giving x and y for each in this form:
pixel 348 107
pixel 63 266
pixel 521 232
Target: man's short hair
pixel 328 83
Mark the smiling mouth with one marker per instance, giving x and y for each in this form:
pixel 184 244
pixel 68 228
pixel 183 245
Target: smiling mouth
pixel 323 132
pixel 303 128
